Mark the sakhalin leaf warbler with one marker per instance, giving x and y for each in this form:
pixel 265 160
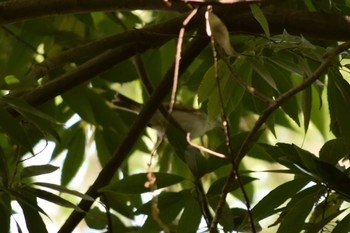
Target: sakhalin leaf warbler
pixel 190 120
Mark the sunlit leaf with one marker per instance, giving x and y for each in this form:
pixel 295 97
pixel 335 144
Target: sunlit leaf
pixel 295 218
pixel 343 225
pixel 324 212
pixel 277 197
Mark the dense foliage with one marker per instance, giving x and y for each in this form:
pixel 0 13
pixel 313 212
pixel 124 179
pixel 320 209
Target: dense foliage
pixel 271 75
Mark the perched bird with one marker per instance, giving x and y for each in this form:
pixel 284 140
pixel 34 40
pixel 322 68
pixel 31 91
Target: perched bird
pixel 190 120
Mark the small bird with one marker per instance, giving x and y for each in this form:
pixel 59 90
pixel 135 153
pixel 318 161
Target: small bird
pixel 191 120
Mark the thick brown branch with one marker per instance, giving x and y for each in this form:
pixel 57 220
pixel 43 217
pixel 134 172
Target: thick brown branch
pixel 237 17
pixel 146 36
pixel 17 10
pixel 140 123
pixel 316 25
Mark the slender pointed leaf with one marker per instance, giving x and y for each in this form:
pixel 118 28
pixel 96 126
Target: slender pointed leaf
pixel 33 219
pixel 63 189
pixel 277 197
pixel 37 170
pixel 74 157
pixel 260 17
pixel 190 217
pixel 295 218
pixel 53 198
pixel 136 183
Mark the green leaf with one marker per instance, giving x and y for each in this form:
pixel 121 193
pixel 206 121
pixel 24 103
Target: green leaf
pixel 33 219
pixel 52 198
pixel 227 217
pixel 295 218
pixel 208 84
pixel 80 103
pixel 259 68
pixel 333 151
pixel 37 170
pixel 26 198
pixel 75 156
pixel 96 219
pixel 124 204
pixel 216 187
pixel 24 108
pixel 5 211
pixel 63 189
pixel 290 107
pixel 14 130
pixel 260 17
pixel 324 212
pixel 136 183
pixel 195 161
pixel 286 155
pixel 277 197
pixel 190 217
pixel 343 225
pixel 339 105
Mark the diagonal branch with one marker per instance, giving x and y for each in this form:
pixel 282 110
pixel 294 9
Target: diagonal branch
pixel 148 36
pixel 140 123
pixel 252 137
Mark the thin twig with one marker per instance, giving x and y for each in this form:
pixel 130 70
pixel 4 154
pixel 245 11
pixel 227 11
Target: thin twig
pixel 202 148
pixel 249 141
pixel 178 58
pixel 234 172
